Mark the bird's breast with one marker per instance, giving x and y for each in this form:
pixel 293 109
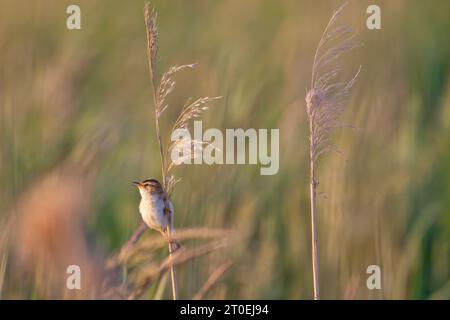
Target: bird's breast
pixel 152 212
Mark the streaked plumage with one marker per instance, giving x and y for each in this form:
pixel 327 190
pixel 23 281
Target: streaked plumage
pixel 153 204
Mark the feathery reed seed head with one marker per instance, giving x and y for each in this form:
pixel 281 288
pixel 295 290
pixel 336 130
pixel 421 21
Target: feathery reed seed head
pixel 325 102
pixel 314 97
pixel 327 98
pixel 152 36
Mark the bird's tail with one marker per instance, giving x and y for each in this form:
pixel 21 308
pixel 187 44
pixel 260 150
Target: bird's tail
pixel 174 243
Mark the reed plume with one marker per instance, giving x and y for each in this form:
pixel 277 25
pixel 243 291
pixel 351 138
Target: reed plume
pixel 325 102
pixel 189 111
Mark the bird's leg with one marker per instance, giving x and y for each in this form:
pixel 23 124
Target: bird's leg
pixel 177 246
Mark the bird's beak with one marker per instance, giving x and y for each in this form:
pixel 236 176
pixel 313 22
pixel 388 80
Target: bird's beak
pixel 137 184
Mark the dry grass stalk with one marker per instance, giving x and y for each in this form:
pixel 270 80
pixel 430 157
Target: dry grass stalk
pixel 179 257
pixel 155 242
pixel 145 270
pixel 50 219
pixel 152 48
pixel 212 280
pixel 189 112
pixel 325 102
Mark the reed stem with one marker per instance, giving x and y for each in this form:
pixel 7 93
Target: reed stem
pixel 314 247
pixel 173 273
pixel 151 56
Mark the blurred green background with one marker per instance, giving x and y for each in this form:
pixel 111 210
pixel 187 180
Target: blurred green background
pixel 77 126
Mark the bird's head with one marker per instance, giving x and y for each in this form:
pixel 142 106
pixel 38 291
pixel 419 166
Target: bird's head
pixel 149 186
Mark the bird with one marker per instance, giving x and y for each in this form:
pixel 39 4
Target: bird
pixel 156 209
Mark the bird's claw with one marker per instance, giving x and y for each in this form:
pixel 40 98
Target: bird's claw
pixel 177 246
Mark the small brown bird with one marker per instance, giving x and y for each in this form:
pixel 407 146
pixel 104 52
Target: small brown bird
pixel 155 207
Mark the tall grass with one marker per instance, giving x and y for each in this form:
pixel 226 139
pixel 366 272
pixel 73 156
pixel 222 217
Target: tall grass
pixel 190 111
pixel 325 102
